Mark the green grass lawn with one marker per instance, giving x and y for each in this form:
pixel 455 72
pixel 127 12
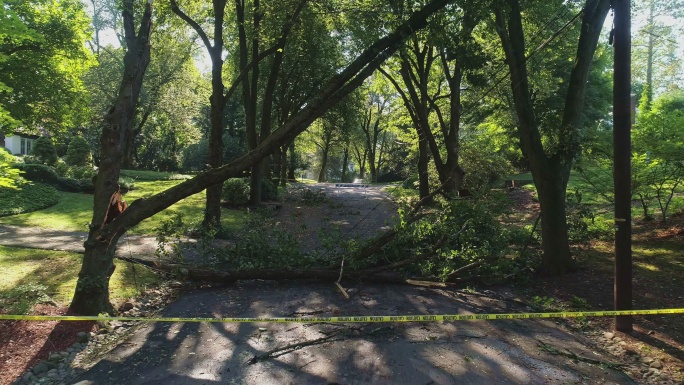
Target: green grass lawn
pixel 32 276
pixel 74 211
pixel 140 175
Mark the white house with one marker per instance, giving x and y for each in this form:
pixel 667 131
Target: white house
pixel 18 143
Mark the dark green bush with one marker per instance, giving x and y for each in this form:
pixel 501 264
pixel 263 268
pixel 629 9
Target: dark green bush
pixel 411 182
pixel 45 174
pixel 29 197
pixel 269 191
pixel 38 172
pixel 78 153
pixel 60 167
pixel 312 197
pixel 236 191
pixel 195 156
pixel 126 184
pixel 80 172
pixel 44 151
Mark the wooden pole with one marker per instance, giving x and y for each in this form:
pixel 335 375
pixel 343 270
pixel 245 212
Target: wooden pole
pixel 622 170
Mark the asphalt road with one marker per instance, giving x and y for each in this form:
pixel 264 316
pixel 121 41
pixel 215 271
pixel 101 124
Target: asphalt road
pixel 469 352
pixel 472 352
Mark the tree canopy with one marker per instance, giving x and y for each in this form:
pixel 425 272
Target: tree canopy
pixel 43 55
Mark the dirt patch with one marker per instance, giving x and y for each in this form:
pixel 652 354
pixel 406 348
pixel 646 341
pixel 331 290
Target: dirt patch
pixel 658 259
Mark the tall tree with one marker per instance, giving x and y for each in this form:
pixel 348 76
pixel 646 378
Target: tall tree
pixel 313 54
pixel 550 164
pixel 261 17
pixel 372 129
pixel 431 70
pixel 215 47
pixel 91 296
pixel 92 289
pixel 655 46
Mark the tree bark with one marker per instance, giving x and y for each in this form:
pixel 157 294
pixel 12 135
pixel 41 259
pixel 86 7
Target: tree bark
pixel 423 162
pixel 361 160
pixel 345 164
pixel 324 163
pixel 129 151
pixel 278 165
pixel 212 212
pixel 91 296
pixel 557 259
pixel 550 172
pixel 282 173
pixel 92 288
pixel 649 58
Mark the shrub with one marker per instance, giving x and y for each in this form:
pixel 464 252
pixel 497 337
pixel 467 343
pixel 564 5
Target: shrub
pixel 269 191
pixel 30 197
pixel 38 172
pixel 61 168
pixel 46 174
pixel 236 191
pixel 44 151
pixel 126 184
pixel 80 172
pixel 78 152
pixel 195 156
pixel 411 182
pixel 311 197
pixel 9 176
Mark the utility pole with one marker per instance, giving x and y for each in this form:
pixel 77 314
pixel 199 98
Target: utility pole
pixel 622 157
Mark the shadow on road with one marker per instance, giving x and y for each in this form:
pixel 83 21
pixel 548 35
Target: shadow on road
pixel 478 352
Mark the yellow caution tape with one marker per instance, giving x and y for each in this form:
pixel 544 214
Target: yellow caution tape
pixel 385 318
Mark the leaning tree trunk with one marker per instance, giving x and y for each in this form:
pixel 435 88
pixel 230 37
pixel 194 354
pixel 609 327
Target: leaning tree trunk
pixel 92 289
pixel 91 296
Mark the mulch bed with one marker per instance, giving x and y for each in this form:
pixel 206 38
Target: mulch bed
pixel 25 343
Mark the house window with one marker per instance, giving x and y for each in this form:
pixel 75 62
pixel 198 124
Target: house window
pixel 26 146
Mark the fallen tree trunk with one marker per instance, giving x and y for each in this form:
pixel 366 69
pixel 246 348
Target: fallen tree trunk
pixel 208 275
pixel 371 274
